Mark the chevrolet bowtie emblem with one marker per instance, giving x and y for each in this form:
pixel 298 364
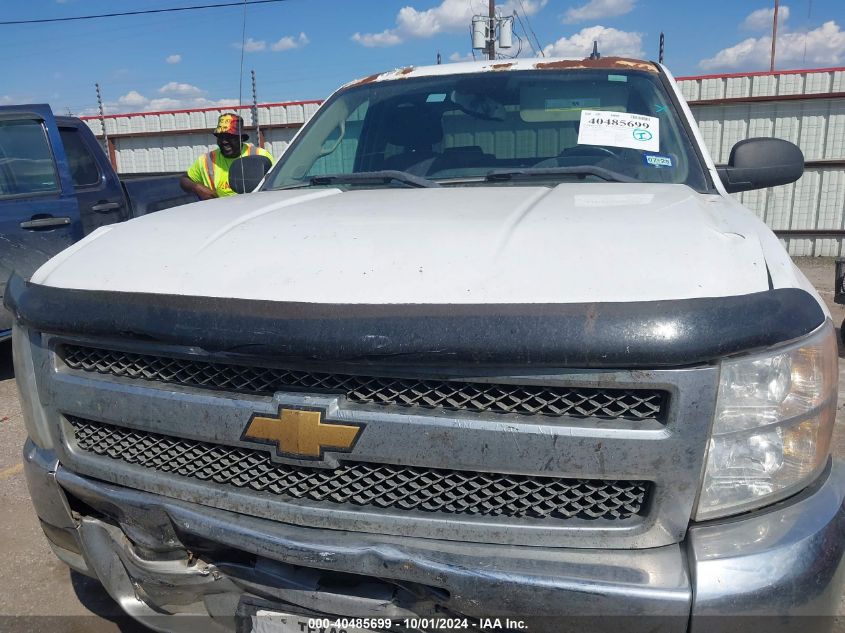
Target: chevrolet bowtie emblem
pixel 300 433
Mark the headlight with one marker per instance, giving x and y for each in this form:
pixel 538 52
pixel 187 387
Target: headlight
pixel 774 418
pixel 33 414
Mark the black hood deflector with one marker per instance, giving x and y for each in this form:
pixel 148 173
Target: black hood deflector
pixel 646 334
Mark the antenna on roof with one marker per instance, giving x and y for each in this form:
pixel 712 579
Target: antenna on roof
pixel 595 54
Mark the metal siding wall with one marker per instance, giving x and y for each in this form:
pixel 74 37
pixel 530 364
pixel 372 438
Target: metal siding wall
pixel 690 90
pixel 96 126
pixel 139 154
pixel 276 141
pixel 762 85
pixel 817 126
pixel 835 139
pixel 169 152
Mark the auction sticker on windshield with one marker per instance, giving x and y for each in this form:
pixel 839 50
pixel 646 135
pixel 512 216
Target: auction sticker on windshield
pixel 619 129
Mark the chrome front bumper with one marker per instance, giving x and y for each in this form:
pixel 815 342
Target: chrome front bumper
pixel 167 561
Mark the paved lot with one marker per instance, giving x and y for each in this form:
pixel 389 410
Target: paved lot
pixel 34 583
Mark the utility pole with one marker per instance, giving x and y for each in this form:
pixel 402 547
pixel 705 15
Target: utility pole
pixel 254 113
pixel 774 35
pixel 489 30
pixel 106 143
pixel 491 36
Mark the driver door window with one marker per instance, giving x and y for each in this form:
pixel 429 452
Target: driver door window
pixel 26 162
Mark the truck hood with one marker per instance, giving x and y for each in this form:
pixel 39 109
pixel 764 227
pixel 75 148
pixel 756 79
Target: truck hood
pixel 469 244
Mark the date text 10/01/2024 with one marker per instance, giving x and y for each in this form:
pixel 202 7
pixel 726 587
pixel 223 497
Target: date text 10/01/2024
pixel 343 625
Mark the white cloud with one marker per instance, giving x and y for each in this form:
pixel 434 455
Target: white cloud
pixel 611 42
pixel 134 101
pixel 290 42
pixel 173 59
pixel 529 6
pixel 6 99
pixel 184 90
pixel 286 43
pixel 388 37
pixel 824 45
pixel 133 98
pixel 450 16
pixel 457 57
pixel 598 10
pixel 761 19
pixel 252 46
pixel 167 103
pixel 163 103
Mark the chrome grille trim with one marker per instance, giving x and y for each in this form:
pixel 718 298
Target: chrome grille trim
pixel 383 486
pixel 447 395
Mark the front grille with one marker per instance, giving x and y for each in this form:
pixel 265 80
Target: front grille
pixel 630 404
pixel 402 488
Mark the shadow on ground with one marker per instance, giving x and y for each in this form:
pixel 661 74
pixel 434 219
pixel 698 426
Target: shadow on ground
pixel 93 597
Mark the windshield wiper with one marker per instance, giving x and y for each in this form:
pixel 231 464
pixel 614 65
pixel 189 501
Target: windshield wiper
pixel 385 176
pixel 541 172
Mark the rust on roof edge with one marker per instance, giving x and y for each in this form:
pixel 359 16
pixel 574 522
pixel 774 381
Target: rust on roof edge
pixel 366 80
pixel 620 63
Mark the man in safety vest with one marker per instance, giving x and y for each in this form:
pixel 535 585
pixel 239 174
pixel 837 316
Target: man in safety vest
pixel 208 177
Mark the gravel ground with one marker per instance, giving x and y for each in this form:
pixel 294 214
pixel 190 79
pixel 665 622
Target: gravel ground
pixel 33 582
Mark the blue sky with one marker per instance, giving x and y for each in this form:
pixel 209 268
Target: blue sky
pixel 303 49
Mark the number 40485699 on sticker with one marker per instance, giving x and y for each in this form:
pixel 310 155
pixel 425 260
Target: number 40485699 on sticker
pixel 619 129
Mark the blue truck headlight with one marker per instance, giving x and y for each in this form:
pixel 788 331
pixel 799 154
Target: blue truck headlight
pixel 773 423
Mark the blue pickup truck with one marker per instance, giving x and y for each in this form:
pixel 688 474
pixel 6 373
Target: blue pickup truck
pixel 57 185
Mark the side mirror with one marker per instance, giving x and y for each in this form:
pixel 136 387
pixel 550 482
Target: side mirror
pixel 757 163
pixel 245 173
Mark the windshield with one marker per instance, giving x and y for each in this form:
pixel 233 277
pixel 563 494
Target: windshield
pixel 500 128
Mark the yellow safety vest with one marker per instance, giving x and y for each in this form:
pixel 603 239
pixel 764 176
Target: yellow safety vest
pixel 210 158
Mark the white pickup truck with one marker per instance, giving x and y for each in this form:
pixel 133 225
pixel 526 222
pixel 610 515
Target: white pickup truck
pixel 490 348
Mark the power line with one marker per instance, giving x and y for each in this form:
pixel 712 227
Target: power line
pixel 527 36
pixel 527 21
pixel 144 12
